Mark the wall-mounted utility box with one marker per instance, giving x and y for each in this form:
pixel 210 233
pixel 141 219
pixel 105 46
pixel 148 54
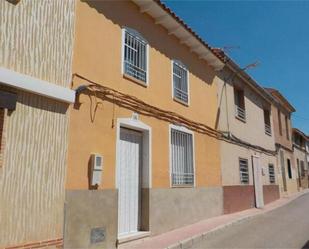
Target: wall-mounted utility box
pixel 96 169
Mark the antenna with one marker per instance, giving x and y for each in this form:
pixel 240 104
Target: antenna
pixel 227 49
pixel 252 65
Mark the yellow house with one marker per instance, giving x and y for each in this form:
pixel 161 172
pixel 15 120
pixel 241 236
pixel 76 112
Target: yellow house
pixel 143 155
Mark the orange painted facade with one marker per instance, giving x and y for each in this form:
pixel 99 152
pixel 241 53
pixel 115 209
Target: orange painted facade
pixel 98 57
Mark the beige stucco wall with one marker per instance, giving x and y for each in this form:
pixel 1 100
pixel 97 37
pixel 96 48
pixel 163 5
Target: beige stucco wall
pixel 35 39
pixel 230 154
pixel 282 138
pixel 291 183
pixel 251 131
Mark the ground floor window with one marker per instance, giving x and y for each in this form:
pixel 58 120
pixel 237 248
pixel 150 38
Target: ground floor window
pixel 244 171
pixel 271 171
pixel 182 158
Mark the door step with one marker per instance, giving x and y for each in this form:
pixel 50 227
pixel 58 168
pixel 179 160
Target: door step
pixel 133 237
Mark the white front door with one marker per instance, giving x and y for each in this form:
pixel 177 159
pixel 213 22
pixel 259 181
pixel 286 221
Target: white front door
pixel 128 179
pixel 258 182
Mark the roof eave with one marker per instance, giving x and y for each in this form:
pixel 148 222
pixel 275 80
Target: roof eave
pixel 175 26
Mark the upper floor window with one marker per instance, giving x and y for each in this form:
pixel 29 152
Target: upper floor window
pixel 182 158
pixel 180 82
pixel 287 128
pixel 243 171
pixel 240 110
pixel 271 172
pixel 134 55
pixel 267 123
pixel 280 123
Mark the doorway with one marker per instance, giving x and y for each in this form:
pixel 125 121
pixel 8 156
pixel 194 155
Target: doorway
pixel 258 182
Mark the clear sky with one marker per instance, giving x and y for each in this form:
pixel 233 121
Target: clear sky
pixel 276 33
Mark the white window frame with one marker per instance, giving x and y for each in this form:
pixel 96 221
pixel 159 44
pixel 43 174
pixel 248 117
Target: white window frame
pixel 179 63
pixel 185 130
pixel 240 176
pixel 132 31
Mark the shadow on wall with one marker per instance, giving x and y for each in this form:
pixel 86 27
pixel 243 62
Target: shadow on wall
pixel 306 246
pixel 124 14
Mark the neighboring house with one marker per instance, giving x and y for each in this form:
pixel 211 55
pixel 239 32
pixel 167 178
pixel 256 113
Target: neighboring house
pixel 248 161
pixel 35 75
pixel 143 154
pixel 307 150
pixel 300 157
pixel 282 111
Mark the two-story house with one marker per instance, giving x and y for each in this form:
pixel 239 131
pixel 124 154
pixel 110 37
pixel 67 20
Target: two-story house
pixel 35 74
pixel 282 111
pixel 300 157
pixel 248 161
pixel 143 155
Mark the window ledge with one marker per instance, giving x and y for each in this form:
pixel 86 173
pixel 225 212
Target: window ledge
pixel 182 186
pixel 137 81
pixel 181 102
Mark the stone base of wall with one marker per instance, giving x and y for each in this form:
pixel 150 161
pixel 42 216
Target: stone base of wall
pixel 86 212
pixel 271 193
pixel 54 243
pixel 237 198
pixel 171 208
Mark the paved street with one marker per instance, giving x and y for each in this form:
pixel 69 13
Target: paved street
pixel 286 227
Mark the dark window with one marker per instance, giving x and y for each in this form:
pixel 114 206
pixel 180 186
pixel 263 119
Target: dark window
pixel 267 122
pixel 240 110
pixel 244 171
pixel 289 169
pixel 271 171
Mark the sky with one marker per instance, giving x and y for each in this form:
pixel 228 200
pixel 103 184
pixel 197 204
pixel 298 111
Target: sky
pixel 275 33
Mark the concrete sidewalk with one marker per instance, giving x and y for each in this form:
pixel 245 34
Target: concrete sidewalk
pixel 187 236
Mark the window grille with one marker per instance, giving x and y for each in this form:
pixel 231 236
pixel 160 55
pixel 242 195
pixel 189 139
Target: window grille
pixel 244 171
pixel 182 158
pixel 180 82
pixel 271 171
pixel 135 56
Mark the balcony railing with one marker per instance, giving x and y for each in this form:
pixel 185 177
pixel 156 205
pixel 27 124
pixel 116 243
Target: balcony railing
pixel 268 129
pixel 240 113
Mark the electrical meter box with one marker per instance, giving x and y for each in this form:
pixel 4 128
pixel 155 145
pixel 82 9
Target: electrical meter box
pixel 96 169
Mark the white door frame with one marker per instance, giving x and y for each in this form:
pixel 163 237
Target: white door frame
pixel 137 125
pixel 258 182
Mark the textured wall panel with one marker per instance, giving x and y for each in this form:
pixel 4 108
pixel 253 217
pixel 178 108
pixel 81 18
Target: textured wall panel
pixel 36 38
pixel 32 177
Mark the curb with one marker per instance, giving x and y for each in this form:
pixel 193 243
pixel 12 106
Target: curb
pixel 189 242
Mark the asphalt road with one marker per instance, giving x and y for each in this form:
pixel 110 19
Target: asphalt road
pixel 285 227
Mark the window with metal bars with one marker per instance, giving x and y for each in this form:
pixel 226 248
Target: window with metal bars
pixel 243 171
pixel 182 158
pixel 180 82
pixel 271 172
pixel 135 55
